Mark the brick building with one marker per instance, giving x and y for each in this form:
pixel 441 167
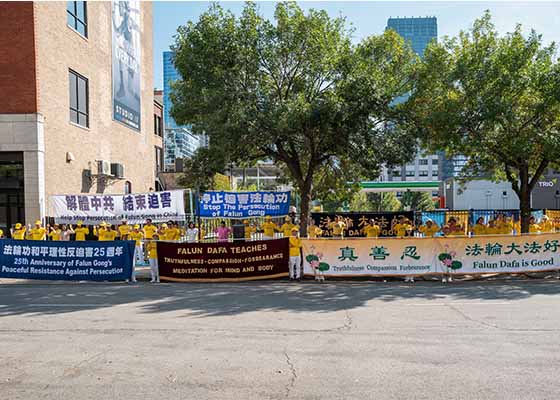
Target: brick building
pixel 76 104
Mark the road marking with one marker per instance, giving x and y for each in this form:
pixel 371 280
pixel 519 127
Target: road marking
pixel 458 304
pixel 67 305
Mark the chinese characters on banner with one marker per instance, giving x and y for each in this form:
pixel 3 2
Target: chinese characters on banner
pixel 75 261
pixel 135 208
pixel 356 222
pixel 243 204
pixel 476 255
pixel 242 261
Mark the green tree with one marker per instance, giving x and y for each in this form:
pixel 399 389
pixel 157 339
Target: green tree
pixel 417 201
pixel 363 201
pixel 294 91
pixel 495 100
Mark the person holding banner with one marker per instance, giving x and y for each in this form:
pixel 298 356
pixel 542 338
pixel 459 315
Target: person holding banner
pixel 295 255
pixel 152 256
pixel 18 232
pixel 546 225
pixel 249 230
pixel 1 234
pixel 337 226
pixel 192 233
pixel 479 228
pixel 402 227
pixel 80 231
pixel 222 232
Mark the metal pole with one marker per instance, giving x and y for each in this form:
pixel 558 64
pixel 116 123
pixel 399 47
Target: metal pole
pixel 191 204
pixel 258 178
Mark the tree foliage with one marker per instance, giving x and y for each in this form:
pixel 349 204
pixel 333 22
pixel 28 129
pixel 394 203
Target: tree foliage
pixel 417 201
pixel 295 91
pixel 495 100
pixel 363 201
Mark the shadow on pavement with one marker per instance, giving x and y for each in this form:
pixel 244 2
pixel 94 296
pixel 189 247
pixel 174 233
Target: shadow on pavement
pixel 206 300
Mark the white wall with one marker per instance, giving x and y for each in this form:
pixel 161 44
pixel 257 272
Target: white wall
pixel 483 194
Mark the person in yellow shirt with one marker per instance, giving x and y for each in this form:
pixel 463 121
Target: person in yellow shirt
pixel 149 229
pixel 492 228
pixel 1 234
pixel 249 230
pixel 533 226
pixel 429 229
pixel 337 226
pixel 508 226
pixel 174 232
pixel 479 228
pixel 269 227
pixel 287 226
pixel 18 232
pixel 372 230
pixel 124 230
pixel 137 236
pixel 546 225
pixel 402 227
pixel 38 233
pixel 152 256
pixel 104 232
pixel 81 231
pixel 54 232
pixel 295 254
pixel 452 228
pixel 313 231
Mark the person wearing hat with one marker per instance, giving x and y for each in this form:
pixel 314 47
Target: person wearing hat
pixel 38 233
pixel 151 245
pixel 81 231
pixel 124 230
pixel 137 236
pixel 287 226
pixel 295 254
pixel 163 231
pixel 429 229
pixel 249 230
pixel 104 232
pixel 18 232
pixel 269 227
pixel 337 226
pixel 546 225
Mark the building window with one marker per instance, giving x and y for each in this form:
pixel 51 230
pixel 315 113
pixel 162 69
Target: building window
pixel 396 173
pixel 79 95
pixel 127 187
pixel 434 161
pixel 159 159
pixel 423 161
pixel 76 16
pixel 158 126
pixel 423 173
pixel 434 174
pixel 409 173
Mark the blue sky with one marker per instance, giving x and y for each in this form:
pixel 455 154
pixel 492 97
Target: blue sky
pixel 370 18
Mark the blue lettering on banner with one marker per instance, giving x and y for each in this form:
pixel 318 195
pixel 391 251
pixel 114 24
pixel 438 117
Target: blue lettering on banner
pixel 73 261
pixel 245 204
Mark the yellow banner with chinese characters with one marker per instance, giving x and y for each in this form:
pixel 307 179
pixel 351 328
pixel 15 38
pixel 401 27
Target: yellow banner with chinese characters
pixel 425 256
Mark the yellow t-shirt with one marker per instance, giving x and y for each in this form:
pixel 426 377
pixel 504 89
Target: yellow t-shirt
pixel 137 237
pixel 39 234
pixel 534 228
pixel 269 228
pixel 106 235
pixel 286 229
pixel 54 235
pixel 249 230
pixel 479 229
pixel 149 231
pixel 81 232
pixel 313 231
pixel 401 229
pixel 295 246
pixel 338 228
pixel 152 250
pixel 372 231
pixel 1 233
pixel 429 231
pixel 547 226
pixel 173 234
pixel 124 230
pixel 458 231
pixel 19 234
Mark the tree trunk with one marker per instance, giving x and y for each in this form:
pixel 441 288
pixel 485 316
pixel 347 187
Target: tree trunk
pixel 305 191
pixel 524 199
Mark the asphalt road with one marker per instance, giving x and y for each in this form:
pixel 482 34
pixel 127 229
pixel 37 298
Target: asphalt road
pixel 469 340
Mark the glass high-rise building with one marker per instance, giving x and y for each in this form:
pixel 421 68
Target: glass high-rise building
pixel 179 142
pixel 419 31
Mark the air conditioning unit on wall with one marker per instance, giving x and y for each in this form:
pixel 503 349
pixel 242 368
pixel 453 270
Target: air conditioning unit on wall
pixel 103 167
pixel 117 170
